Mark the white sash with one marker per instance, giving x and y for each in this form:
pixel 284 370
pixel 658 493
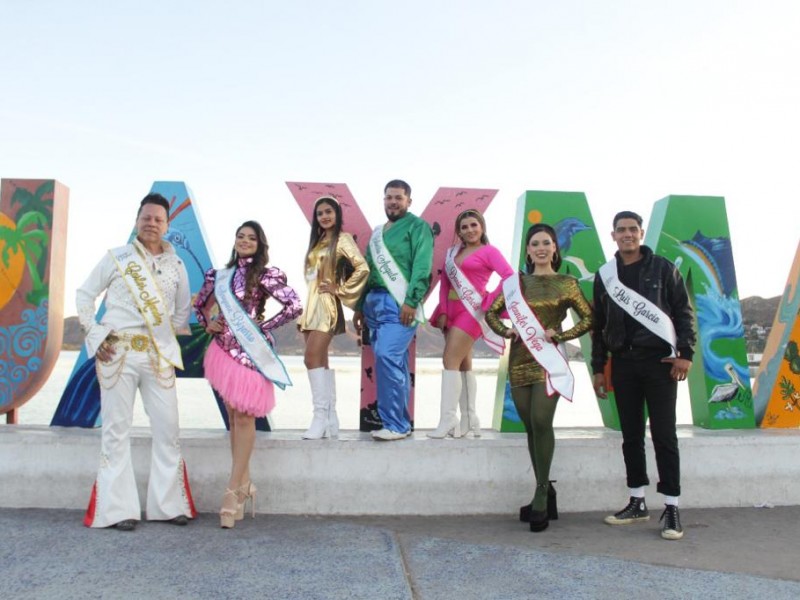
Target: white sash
pixel 148 299
pixel 471 298
pixel 637 306
pixel 390 273
pixel 552 357
pixel 247 333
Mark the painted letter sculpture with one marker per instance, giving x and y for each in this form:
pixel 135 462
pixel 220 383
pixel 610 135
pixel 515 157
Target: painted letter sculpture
pixel 80 402
pixel 440 213
pixel 33 240
pixel 692 232
pixel 777 387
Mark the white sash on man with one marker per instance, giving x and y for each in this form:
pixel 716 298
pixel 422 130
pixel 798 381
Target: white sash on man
pixel 390 273
pixel 637 306
pixel 552 357
pixel 148 299
pixel 247 333
pixel 471 298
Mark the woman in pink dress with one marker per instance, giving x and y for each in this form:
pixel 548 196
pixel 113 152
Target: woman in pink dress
pixel 463 299
pixel 228 367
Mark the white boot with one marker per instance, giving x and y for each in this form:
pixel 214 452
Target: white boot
pixel 469 417
pixel 333 419
pixel 451 390
pixel 321 401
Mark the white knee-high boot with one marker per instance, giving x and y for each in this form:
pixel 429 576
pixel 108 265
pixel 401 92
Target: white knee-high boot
pixel 333 419
pixel 321 400
pixel 469 417
pixel 448 421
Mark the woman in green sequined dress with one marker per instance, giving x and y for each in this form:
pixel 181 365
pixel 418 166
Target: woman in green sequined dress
pixel 548 294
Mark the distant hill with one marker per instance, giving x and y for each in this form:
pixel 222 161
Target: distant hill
pixel 758 314
pixel 290 341
pixel 73 334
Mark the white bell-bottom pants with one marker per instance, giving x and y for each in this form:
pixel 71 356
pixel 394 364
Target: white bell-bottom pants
pixel 115 496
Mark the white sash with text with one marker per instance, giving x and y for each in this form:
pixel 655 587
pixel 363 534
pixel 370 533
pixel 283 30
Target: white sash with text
pixel 471 298
pixel 552 357
pixel 390 273
pixel 637 306
pixel 149 301
pixel 247 333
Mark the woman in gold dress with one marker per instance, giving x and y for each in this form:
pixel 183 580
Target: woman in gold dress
pixel 548 294
pixel 336 273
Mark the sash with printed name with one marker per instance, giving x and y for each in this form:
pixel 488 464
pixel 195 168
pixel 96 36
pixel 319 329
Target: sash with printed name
pixel 390 273
pixel 247 333
pixel 471 298
pixel 637 306
pixel 552 357
pixel 149 301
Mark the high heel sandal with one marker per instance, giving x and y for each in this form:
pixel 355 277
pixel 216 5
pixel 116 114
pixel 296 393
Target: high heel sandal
pixel 247 492
pixel 227 516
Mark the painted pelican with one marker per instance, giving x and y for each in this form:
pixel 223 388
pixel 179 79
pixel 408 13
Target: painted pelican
pixel 725 392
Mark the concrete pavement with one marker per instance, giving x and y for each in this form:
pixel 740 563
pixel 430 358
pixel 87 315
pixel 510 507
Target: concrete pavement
pixel 726 553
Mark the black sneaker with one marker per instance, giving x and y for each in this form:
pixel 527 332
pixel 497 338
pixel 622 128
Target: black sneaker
pixel 126 525
pixel 672 529
pixel 634 512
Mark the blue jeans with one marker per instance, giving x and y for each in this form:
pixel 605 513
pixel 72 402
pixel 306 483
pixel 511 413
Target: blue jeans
pixel 390 340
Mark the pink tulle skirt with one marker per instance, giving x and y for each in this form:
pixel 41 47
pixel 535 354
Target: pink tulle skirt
pixel 242 388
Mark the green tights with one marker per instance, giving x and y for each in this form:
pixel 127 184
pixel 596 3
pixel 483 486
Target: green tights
pixel 537 410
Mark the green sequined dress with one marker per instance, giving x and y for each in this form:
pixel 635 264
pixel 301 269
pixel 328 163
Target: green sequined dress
pixel 549 297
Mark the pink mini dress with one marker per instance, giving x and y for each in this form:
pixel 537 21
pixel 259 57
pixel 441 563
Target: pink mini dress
pixel 227 366
pixel 478 268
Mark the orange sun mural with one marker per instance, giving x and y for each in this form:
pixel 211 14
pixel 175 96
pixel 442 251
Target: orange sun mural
pixel 12 264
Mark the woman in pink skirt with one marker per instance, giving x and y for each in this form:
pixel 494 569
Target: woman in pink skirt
pixel 463 299
pixel 239 360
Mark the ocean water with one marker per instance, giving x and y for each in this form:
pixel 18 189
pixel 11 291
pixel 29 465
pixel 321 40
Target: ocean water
pixel 198 408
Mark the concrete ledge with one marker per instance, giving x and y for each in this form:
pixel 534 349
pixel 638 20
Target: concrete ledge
pixel 44 467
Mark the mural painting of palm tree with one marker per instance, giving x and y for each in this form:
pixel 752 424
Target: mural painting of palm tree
pixel 29 239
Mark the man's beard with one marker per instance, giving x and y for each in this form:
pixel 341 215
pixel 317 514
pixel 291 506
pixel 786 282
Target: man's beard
pixel 396 216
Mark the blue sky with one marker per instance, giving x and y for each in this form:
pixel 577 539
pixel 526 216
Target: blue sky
pixel 627 101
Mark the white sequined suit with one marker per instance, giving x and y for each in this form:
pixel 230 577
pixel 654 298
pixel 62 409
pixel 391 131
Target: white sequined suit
pixel 136 365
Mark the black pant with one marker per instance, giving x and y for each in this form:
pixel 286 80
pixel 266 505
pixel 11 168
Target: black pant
pixel 647 382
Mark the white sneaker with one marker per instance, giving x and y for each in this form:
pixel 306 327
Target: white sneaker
pixel 387 435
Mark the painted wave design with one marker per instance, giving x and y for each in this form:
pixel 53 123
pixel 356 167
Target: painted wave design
pixel 20 349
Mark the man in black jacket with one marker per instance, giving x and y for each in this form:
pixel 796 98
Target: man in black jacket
pixel 644 321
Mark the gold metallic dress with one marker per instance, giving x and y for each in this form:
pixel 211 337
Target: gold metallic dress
pixel 549 297
pixel 323 312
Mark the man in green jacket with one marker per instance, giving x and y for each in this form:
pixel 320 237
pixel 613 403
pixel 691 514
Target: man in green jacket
pixel 400 257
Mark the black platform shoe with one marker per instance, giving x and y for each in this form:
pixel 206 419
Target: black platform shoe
pixel 126 525
pixel 552 505
pixel 539 520
pixel 525 513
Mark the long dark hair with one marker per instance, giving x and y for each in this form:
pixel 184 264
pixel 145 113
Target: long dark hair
pixel 532 231
pixel 256 268
pixel 317 232
pixel 475 215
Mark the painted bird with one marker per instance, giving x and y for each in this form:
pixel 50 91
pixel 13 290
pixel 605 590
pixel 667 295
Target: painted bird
pixel 725 392
pixel 566 230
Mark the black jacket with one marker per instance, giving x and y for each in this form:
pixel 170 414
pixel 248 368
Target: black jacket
pixel 661 283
